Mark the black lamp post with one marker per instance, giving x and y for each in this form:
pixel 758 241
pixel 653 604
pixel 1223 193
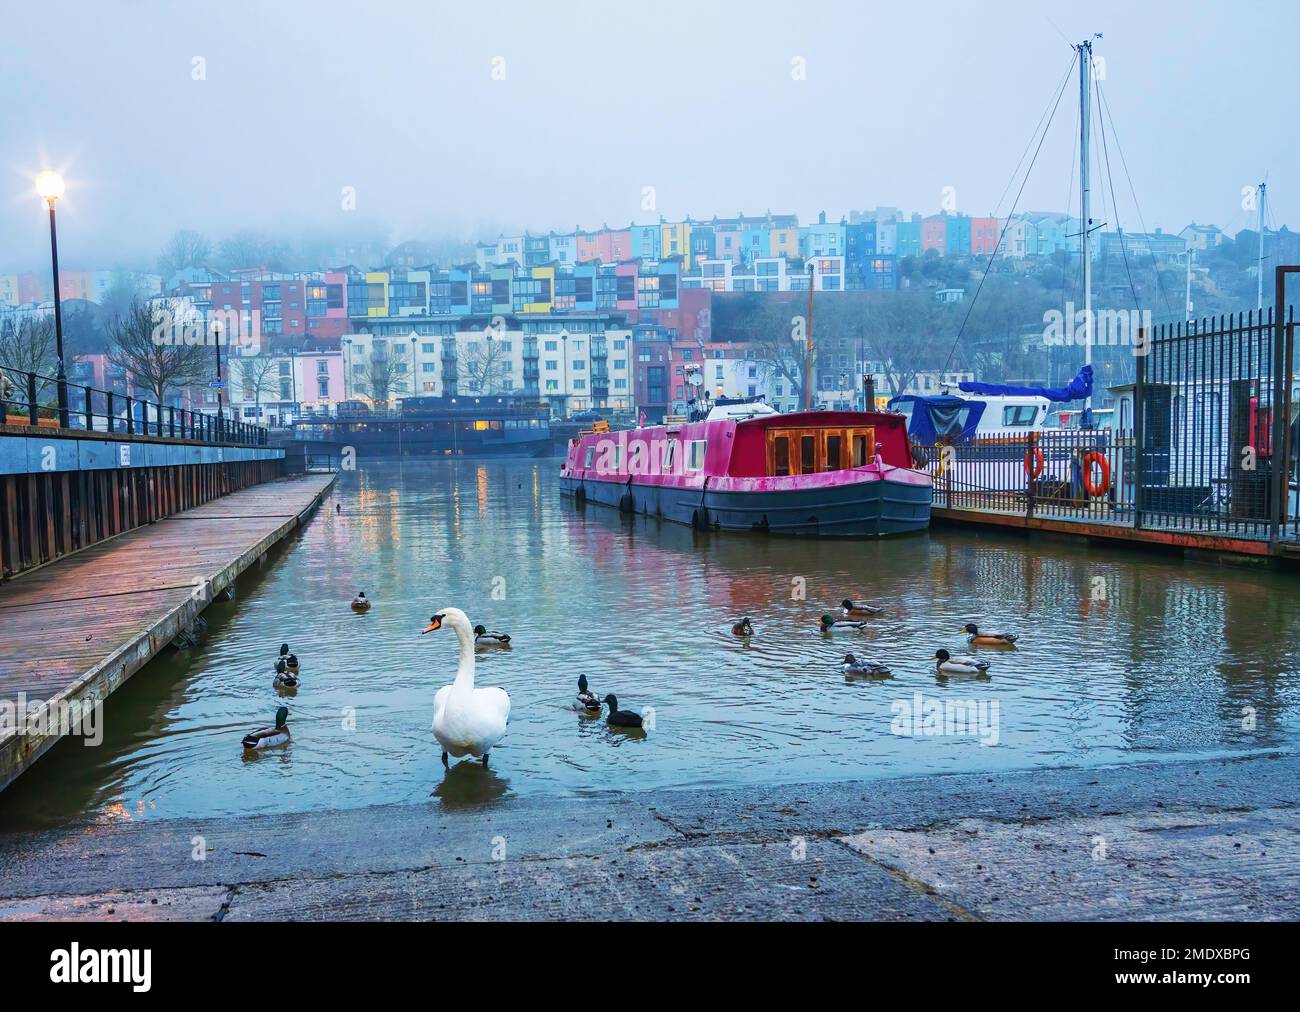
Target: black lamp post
pixel 293 381
pixel 216 340
pixel 564 400
pixel 49 185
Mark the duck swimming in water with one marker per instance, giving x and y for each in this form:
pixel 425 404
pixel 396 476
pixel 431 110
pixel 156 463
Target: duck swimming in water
pixel 828 620
pixel 853 666
pixel 284 678
pixel 946 664
pixel 270 736
pixel 742 628
pixel 361 602
pixel 620 718
pixel 483 638
pixel 466 720
pixel 587 699
pixel 850 609
pixel 290 660
pixel 988 639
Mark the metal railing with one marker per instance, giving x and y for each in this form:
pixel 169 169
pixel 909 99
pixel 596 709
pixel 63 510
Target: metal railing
pixel 28 398
pixel 1098 476
pixel 1205 441
pixel 1078 474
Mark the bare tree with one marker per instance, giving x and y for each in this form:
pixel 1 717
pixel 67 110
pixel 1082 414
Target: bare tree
pixel 26 345
pixel 186 248
pixel 907 334
pixel 161 347
pixel 256 375
pixel 382 375
pixel 486 364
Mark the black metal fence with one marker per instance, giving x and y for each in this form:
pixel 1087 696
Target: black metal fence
pixel 1205 440
pixel 1212 424
pixel 28 398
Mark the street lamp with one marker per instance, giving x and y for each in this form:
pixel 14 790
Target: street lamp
pixel 50 187
pixel 564 400
pixel 293 380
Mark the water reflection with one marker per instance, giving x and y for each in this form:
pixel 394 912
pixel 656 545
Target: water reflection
pixel 1122 656
pixel 469 784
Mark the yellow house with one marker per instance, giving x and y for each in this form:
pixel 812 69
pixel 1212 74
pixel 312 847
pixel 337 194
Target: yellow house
pixel 8 289
pixel 675 240
pixel 377 293
pixel 545 293
pixel 784 242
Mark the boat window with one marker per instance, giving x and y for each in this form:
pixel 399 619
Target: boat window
pixel 807 454
pixel 834 442
pixel 591 452
pixel 1019 416
pixel 619 449
pixel 695 456
pixel 781 456
pixel 859 450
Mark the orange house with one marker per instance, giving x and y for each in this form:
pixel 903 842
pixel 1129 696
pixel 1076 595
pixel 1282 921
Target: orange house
pixel 983 236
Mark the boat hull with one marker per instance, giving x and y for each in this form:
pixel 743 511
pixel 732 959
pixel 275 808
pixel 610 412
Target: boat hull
pixel 875 508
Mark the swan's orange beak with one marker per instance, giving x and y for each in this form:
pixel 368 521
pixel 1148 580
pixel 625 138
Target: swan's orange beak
pixel 434 623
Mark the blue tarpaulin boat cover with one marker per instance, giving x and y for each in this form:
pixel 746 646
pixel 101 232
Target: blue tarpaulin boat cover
pixel 1079 389
pixel 941 418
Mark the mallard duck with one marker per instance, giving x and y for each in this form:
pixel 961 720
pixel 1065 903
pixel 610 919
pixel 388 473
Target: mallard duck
pixel 853 666
pixel 620 718
pixel 284 678
pixel 269 737
pixel 850 609
pixel 466 720
pixel 828 620
pixel 988 639
pixel 290 660
pixel 586 698
pixel 947 664
pixel 361 602
pixel 483 638
pixel 742 628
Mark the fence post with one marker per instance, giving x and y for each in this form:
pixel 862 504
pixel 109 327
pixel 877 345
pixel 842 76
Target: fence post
pixel 32 415
pixel 130 417
pixel 1281 390
pixel 90 409
pixel 1027 465
pixel 108 410
pixel 1139 422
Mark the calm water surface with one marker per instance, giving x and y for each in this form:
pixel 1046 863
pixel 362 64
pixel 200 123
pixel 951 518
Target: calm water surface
pixel 1163 666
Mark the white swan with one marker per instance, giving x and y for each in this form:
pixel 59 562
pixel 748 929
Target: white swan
pixel 466 720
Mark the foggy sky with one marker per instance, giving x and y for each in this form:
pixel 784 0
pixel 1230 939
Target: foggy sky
pixel 600 100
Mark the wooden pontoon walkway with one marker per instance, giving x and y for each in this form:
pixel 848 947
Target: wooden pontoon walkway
pixel 78 628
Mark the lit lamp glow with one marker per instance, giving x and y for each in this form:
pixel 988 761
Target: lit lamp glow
pixel 49 184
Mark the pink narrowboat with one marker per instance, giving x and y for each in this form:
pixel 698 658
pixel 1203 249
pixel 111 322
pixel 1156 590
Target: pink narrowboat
pixel 748 468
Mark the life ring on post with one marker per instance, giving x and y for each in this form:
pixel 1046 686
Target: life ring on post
pixel 1093 488
pixel 1034 462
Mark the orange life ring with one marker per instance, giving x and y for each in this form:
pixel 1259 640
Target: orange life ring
pixel 1094 457
pixel 1033 462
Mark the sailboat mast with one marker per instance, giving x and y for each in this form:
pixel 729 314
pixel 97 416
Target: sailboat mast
pixel 1259 289
pixel 1085 218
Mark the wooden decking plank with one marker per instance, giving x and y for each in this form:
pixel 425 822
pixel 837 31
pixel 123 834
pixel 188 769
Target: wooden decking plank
pixel 60 639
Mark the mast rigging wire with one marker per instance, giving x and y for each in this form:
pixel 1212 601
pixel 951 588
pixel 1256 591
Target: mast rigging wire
pixel 970 306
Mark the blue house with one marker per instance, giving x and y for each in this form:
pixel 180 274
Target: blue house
pixel 645 242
